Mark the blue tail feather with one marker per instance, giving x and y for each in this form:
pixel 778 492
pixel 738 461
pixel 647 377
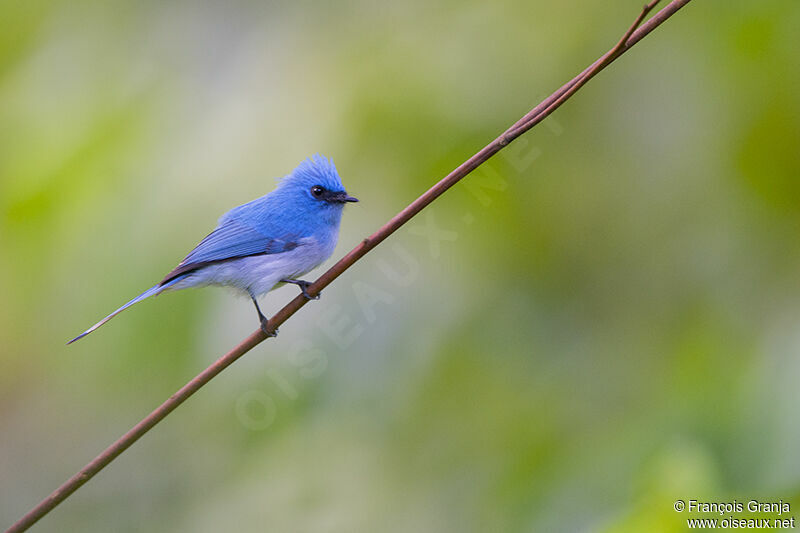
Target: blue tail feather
pixel 152 291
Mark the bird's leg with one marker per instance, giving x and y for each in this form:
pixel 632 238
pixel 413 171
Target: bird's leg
pixel 303 284
pixel 263 320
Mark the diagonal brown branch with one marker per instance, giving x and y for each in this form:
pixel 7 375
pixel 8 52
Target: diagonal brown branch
pixel 634 34
pixel 543 110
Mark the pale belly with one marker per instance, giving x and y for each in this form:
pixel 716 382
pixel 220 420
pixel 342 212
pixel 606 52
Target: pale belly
pixel 259 274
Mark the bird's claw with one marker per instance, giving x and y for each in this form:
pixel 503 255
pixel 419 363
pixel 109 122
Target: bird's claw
pixel 304 290
pixel 265 328
pixel 304 285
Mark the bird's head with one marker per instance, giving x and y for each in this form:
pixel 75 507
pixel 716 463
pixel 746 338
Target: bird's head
pixel 316 185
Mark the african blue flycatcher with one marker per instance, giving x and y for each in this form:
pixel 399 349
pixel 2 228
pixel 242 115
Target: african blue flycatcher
pixel 265 243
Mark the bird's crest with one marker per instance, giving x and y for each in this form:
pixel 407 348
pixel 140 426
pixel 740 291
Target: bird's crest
pixel 316 170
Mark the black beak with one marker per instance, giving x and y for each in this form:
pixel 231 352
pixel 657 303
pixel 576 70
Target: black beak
pixel 341 197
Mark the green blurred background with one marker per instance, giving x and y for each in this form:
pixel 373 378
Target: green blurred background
pixel 602 320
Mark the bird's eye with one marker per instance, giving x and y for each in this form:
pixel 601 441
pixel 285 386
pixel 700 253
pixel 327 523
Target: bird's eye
pixel 317 191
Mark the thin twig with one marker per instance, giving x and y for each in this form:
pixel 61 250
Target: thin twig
pixel 542 111
pixel 634 34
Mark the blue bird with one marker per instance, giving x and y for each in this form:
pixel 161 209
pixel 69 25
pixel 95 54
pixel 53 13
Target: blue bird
pixel 265 243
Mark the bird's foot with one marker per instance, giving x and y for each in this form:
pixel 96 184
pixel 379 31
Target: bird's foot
pixel 265 327
pixel 303 284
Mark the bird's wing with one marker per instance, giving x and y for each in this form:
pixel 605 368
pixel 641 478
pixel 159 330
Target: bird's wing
pixel 230 240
